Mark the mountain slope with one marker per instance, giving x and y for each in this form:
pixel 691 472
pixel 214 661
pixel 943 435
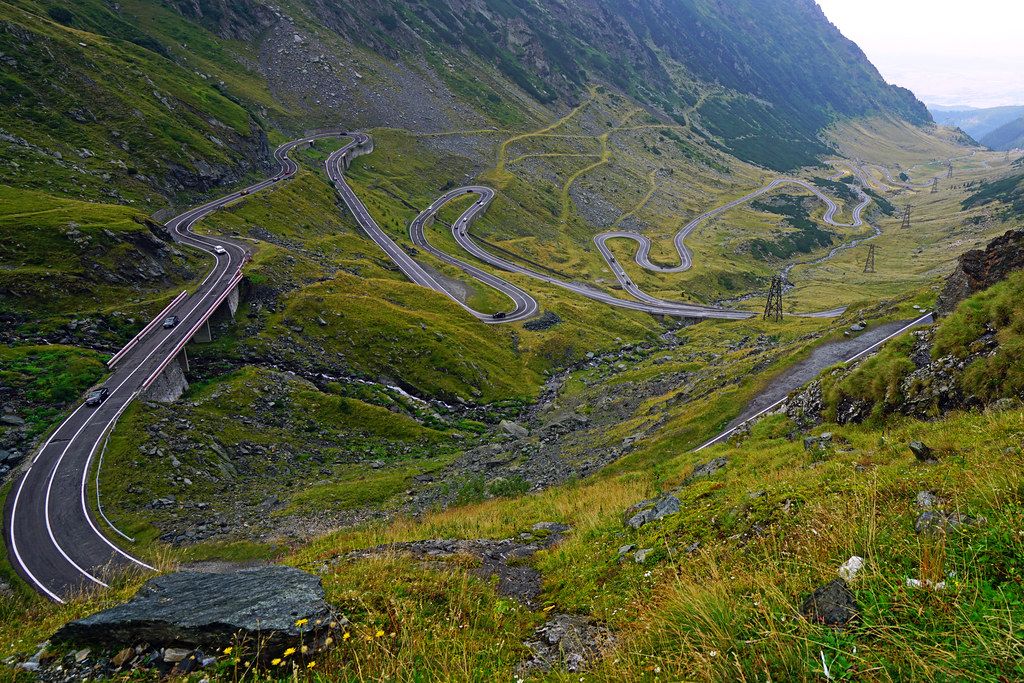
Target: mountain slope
pixel 763 79
pixel 1008 136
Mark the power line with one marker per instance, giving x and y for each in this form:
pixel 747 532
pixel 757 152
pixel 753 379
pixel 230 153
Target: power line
pixel 950 173
pixel 935 185
pixel 906 216
pixel 869 265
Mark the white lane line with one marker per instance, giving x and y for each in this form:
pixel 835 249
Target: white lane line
pixel 14 542
pixel 149 327
pixel 99 469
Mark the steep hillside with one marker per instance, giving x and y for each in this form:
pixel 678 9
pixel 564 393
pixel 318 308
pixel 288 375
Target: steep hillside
pixel 1007 136
pixel 761 78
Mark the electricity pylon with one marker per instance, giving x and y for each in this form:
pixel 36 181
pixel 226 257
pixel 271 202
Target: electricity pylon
pixel 773 307
pixel 869 265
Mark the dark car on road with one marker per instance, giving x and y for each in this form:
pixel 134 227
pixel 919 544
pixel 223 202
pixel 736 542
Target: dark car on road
pixel 500 315
pixel 97 396
pixel 171 321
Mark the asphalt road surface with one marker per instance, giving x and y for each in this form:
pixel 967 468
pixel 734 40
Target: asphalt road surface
pixel 826 355
pixel 54 541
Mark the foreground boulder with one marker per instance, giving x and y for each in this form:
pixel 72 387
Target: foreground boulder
pixel 273 606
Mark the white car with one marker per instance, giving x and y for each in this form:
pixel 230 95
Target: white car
pixel 219 250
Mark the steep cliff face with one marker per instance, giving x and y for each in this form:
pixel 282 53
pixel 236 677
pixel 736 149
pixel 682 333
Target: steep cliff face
pixel 981 268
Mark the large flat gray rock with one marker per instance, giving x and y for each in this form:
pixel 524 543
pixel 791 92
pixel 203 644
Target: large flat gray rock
pixel 202 609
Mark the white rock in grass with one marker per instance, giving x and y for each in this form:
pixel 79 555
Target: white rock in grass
pixel 851 567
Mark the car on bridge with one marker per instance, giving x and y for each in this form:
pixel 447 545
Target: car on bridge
pixel 97 396
pixel 171 322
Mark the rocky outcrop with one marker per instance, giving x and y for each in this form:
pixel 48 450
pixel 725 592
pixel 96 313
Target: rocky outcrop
pixel 273 606
pixel 566 641
pixel 504 559
pixel 241 20
pixel 651 510
pixel 980 269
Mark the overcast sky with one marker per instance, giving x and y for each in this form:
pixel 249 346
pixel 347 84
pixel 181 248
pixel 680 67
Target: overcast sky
pixel 948 52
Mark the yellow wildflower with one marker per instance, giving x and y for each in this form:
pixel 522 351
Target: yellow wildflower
pixel 289 652
pixel 227 650
pixel 304 649
pixel 302 622
pixel 380 633
pixel 275 661
pixel 311 665
pixel 346 636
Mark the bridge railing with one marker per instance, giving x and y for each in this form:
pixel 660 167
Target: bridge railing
pixel 145 330
pixel 195 328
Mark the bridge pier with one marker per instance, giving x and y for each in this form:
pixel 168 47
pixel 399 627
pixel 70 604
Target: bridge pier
pixel 203 334
pixel 171 383
pixel 224 314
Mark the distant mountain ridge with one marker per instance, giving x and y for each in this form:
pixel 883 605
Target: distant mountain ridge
pixel 1006 137
pixel 977 122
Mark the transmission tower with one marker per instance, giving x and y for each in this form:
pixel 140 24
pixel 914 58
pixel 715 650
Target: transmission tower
pixel 869 265
pixel 773 307
pixel 906 216
pixel 949 174
pixel 935 185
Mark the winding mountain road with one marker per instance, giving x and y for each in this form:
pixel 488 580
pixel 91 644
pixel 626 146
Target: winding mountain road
pixel 642 256
pixel 54 539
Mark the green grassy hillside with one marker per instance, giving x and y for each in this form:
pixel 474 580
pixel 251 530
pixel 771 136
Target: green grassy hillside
pixel 718 592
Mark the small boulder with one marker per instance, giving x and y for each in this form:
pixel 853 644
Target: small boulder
pixel 937 521
pixel 849 569
pixel 173 655
pixel 565 641
pixel 640 556
pixel 122 657
pixel 832 604
pixel 663 507
pixel 922 452
pixel 513 429
pixel 926 500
